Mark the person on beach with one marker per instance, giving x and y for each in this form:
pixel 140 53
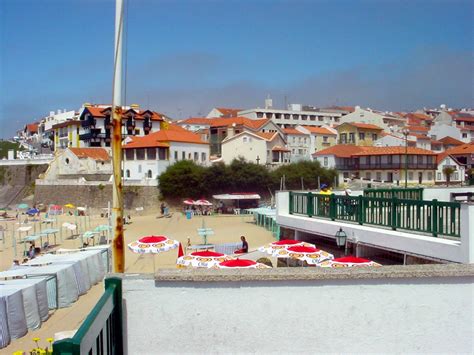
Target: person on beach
pixel 245 246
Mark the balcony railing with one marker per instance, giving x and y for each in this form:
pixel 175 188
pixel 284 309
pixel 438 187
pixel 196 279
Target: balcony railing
pixel 101 332
pixel 415 193
pixel 433 217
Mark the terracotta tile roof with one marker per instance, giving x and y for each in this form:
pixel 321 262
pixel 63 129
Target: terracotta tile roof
pixel 394 151
pixel 246 122
pixel 67 123
pixel 341 150
pixel 418 128
pixel 362 125
pixel 269 136
pixel 420 136
pixel 32 127
pixel 278 148
pixel 229 112
pixel 162 138
pixel 420 116
pixel 342 108
pixel 467 148
pixel 319 130
pixel 99 154
pixel 100 112
pixel 197 121
pixel 293 131
pixel 466 128
pixel 450 141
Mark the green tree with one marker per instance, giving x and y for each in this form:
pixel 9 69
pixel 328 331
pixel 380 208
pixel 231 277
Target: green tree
pixel 306 171
pixel 182 179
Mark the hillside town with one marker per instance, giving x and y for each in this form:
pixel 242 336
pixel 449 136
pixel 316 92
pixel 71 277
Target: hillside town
pixel 425 147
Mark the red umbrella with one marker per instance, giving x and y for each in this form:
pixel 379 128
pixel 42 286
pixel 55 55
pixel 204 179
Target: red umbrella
pixel 180 250
pixel 241 264
pixel 274 247
pixel 153 244
pixel 205 259
pixel 202 202
pixel 311 255
pixel 189 202
pixel 348 261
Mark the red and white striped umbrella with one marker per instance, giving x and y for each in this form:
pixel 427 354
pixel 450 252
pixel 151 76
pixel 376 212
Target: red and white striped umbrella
pixel 309 254
pixel 189 202
pixel 241 264
pixel 153 244
pixel 274 247
pixel 204 259
pixel 202 202
pixel 348 261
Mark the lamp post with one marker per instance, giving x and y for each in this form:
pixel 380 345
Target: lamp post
pixel 341 238
pixel 405 133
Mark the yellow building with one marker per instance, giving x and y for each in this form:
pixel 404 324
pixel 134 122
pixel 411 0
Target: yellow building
pixel 361 134
pixel 66 135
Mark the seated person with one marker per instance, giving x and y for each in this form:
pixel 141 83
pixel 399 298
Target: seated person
pixel 245 246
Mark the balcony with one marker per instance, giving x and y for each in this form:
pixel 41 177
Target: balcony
pixel 91 122
pixel 398 166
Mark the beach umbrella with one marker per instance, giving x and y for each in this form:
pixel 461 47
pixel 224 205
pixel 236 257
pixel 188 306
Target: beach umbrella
pixel 202 202
pixel 304 253
pixel 69 205
pixel 348 261
pixel 274 247
pixel 22 206
pixel 188 202
pixel 241 264
pixel 32 211
pixel 203 259
pixel 153 244
pixel 81 209
pixel 102 228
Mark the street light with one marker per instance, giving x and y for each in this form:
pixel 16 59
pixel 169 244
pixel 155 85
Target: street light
pixel 405 133
pixel 341 238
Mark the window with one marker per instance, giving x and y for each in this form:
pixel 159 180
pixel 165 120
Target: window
pixel 304 117
pixel 294 139
pixel 325 161
pixel 175 155
pixel 456 176
pixel 162 154
pixel 361 136
pixel 203 156
pixel 464 135
pixel 149 174
pixel 320 118
pixel 268 115
pixel 410 175
pixel 287 116
pixel 129 154
pixel 245 139
pixel 151 153
pixel 67 160
pixel 259 114
pixel 296 117
pixel 325 139
pixel 343 137
pixel 438 176
pixel 300 151
pixel 277 115
pixel 183 155
pixel 312 118
pixel 368 175
pixel 127 173
pixel 374 137
pixel 140 154
pixel 300 139
pixel 196 156
pixel 378 176
pixel 189 156
pixel 351 137
pixel 430 175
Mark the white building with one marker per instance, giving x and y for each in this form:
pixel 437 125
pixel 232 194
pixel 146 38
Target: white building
pixel 444 160
pixel 256 147
pixel 377 118
pixel 223 112
pixel 87 163
pixel 299 144
pixel 148 157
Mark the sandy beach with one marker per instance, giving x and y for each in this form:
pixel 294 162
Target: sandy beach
pixel 227 229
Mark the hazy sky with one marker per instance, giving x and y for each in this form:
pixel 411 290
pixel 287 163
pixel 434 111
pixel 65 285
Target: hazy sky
pixel 185 57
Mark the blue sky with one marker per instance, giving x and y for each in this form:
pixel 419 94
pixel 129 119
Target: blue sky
pixel 185 57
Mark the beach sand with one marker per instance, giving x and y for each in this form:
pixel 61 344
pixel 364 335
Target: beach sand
pixel 227 229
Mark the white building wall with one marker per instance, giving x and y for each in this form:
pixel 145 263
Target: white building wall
pixel 364 116
pixel 353 315
pixel 247 146
pixel 320 118
pixel 456 177
pixel 441 130
pixel 177 149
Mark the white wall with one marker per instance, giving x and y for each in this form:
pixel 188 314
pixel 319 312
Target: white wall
pixel 189 148
pixel 441 130
pixel 364 116
pixel 250 149
pixel 444 193
pixel 409 315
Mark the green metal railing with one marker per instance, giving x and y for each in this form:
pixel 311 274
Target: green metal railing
pixel 405 194
pixel 101 332
pixel 433 217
